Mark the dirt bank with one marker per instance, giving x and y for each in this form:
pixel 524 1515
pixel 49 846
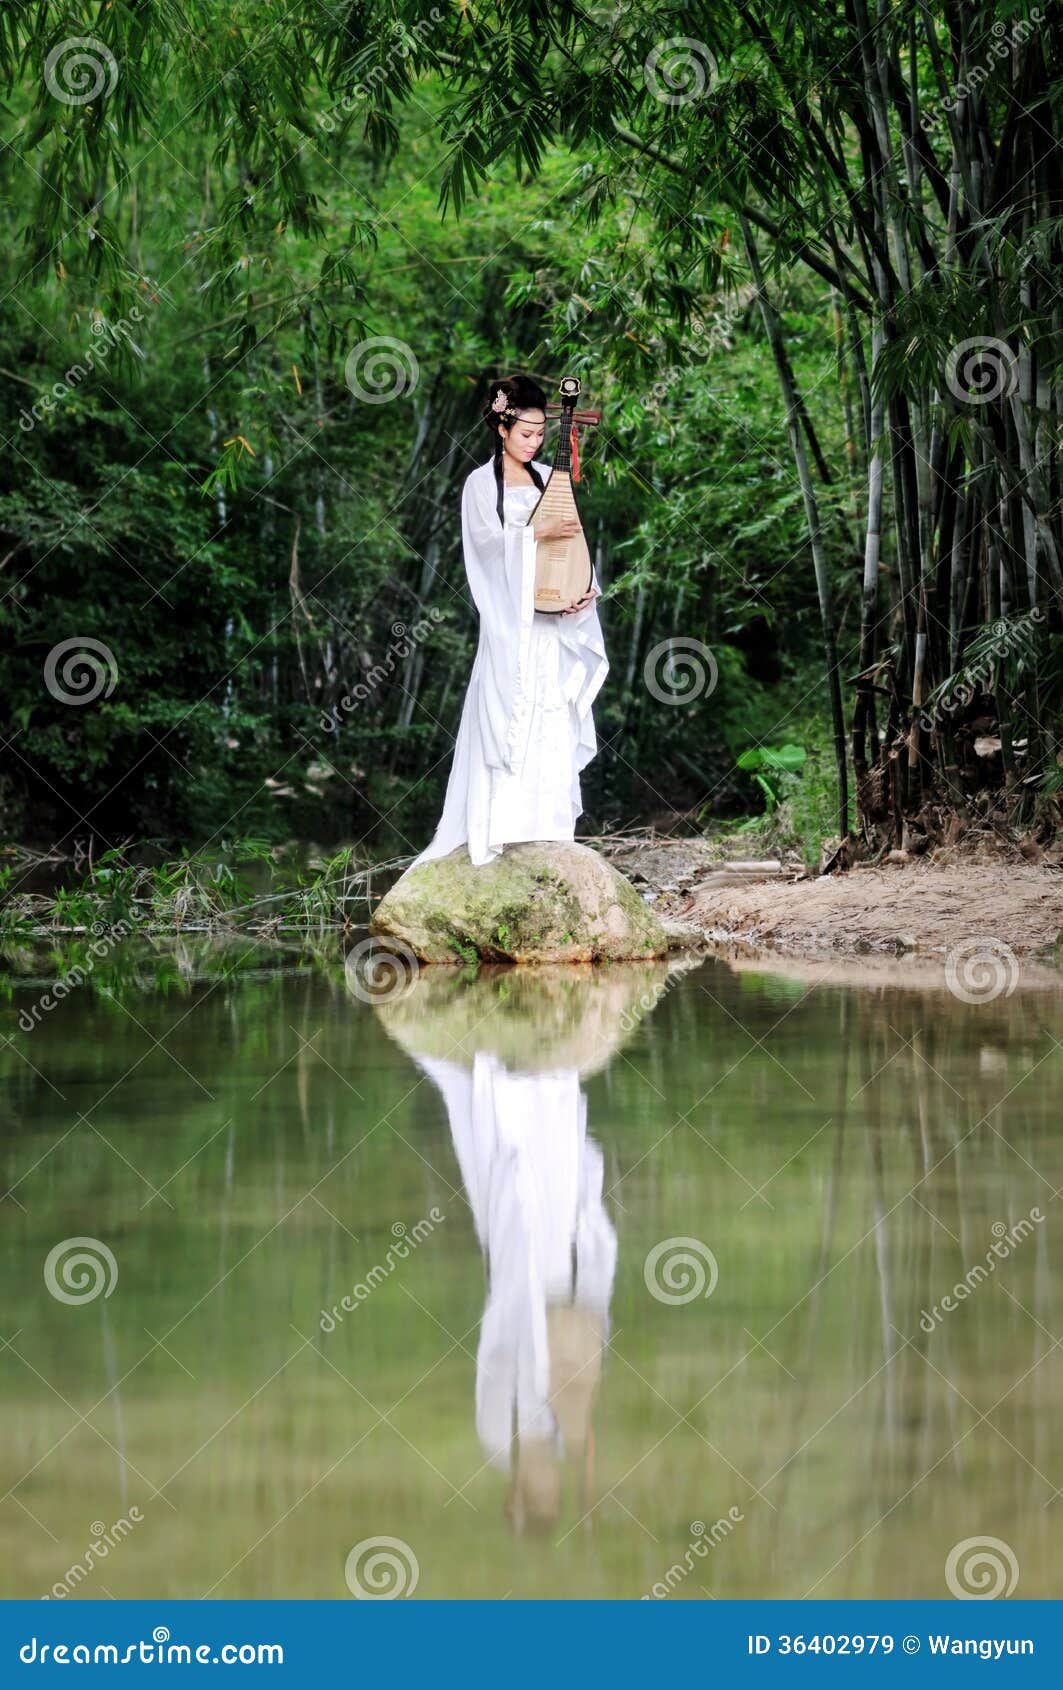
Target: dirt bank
pixel 916 907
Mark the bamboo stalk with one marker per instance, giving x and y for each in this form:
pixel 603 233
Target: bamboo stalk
pixel 812 520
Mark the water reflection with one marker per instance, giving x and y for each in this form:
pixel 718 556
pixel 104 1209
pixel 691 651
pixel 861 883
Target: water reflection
pixel 865 1388
pixel 819 1349
pixel 534 1181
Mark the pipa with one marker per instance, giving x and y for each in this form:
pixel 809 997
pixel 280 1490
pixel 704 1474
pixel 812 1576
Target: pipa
pixel 562 567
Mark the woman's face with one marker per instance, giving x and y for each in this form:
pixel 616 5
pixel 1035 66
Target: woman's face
pixel 526 436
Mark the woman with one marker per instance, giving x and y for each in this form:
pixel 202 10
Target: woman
pixel 526 726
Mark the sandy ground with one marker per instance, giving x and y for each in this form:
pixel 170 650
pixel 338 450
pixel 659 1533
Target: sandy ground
pixel 915 907
pixel 914 910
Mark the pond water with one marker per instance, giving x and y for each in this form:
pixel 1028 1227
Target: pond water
pixel 582 1283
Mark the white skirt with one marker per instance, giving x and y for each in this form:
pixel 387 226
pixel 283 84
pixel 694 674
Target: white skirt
pixel 487 807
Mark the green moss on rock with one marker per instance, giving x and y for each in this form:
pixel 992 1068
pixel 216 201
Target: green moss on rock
pixel 538 902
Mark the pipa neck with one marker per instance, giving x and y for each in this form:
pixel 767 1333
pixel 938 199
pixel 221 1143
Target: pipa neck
pixel 563 451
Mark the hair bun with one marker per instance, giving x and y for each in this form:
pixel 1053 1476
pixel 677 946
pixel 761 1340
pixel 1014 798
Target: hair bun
pixel 508 396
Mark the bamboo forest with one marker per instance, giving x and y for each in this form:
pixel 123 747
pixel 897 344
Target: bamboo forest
pixel 808 274
pixel 531 783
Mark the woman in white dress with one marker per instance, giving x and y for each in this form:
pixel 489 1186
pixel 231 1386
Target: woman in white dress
pixel 527 727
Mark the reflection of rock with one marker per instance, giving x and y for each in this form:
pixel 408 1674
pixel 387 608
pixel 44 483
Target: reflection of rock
pixel 532 1019
pixel 538 902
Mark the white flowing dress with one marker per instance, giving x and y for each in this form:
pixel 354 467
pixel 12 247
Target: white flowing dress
pixel 527 727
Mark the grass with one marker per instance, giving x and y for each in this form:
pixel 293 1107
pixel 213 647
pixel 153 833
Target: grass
pixel 801 807
pixel 250 888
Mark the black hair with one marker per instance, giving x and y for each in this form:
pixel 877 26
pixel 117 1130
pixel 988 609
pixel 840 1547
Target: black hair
pixel 522 394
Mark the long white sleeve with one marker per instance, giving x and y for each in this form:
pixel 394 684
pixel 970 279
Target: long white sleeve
pixel 500 566
pixel 583 668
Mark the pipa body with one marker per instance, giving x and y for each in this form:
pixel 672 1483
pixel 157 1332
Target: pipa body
pixel 563 570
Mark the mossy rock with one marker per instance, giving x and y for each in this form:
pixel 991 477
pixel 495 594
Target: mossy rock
pixel 537 902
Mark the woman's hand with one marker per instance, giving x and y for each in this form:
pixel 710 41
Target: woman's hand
pixel 556 528
pixel 581 603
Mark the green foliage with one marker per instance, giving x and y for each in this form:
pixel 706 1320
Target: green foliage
pixel 243 886
pixel 768 763
pixel 465 949
pixel 800 799
pixel 1004 654
pixel 156 503
pixel 213 245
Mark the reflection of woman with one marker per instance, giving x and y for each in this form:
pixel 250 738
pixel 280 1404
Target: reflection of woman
pixel 526 728
pixel 534 1183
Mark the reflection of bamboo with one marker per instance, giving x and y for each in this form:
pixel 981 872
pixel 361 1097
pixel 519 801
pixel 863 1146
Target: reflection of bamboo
pixel 226 1206
pixel 821 1271
pixel 891 1456
pixel 946 1194
pixel 1046 1310
pixel 931 1225
pixel 115 1393
pixel 929 1256
pixel 929 1105
pixel 882 1268
pixel 302 1083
